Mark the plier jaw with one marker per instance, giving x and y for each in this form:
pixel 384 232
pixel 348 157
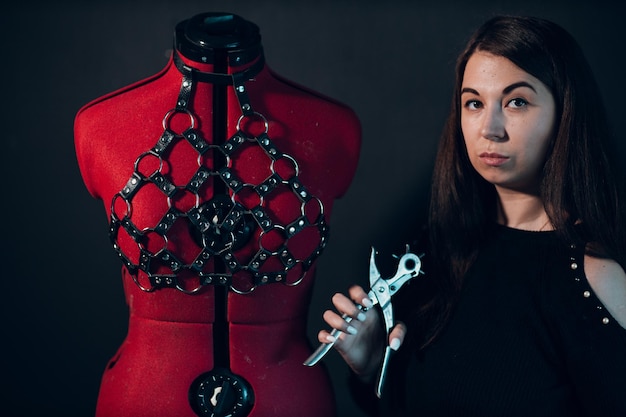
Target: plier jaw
pixel 381 289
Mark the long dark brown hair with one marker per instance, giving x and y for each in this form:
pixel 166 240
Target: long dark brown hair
pixel 579 185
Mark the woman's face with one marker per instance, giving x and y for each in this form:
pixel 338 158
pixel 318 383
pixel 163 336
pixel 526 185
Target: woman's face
pixel 507 119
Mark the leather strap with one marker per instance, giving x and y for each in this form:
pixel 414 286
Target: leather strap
pixel 216 78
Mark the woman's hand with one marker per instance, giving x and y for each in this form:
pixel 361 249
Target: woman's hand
pixel 362 341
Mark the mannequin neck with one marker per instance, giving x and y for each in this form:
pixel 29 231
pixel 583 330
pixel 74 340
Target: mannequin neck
pixel 223 41
pixel 220 49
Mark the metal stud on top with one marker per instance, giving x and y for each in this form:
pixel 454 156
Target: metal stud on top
pixel 223 225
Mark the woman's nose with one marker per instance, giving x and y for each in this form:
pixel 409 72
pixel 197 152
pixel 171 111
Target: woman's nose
pixel 493 125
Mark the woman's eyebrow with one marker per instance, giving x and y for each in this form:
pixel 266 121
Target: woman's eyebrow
pixel 517 85
pixel 506 90
pixel 469 90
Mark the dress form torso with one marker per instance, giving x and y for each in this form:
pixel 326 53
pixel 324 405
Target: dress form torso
pixel 174 337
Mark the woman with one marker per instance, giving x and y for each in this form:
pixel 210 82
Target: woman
pixel 523 306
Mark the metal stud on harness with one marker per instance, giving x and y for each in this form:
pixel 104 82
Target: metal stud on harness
pixel 227 222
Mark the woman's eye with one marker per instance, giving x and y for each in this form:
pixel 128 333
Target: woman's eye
pixel 473 104
pixel 518 102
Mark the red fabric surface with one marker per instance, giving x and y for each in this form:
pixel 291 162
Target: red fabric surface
pixel 169 341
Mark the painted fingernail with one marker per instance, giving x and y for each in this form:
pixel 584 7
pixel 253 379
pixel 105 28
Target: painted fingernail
pixel 331 339
pixel 367 303
pixel 361 316
pixel 395 343
pixel 351 330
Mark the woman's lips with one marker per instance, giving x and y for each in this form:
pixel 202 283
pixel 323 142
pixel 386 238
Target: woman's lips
pixel 493 159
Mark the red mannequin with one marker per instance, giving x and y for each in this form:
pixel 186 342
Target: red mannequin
pixel 175 337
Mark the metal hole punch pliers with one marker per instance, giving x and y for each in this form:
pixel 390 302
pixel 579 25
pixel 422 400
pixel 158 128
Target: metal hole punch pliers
pixel 380 293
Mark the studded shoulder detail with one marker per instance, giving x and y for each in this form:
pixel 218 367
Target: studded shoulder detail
pixel 576 258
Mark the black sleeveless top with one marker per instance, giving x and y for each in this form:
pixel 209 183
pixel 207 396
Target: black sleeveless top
pixel 527 338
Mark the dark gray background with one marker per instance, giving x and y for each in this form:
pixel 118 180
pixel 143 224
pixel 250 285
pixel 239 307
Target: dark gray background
pixel 63 310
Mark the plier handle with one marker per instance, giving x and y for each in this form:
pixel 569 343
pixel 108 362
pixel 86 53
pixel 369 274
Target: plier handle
pixel 380 293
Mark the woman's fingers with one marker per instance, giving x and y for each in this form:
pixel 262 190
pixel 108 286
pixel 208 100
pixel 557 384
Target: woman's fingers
pixel 338 322
pixel 356 332
pixel 396 336
pixel 347 307
pixel 344 318
pixel 323 336
pixel 359 296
